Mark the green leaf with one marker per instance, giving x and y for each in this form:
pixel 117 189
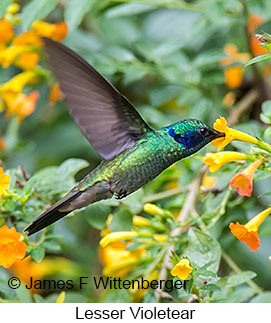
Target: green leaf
pixel 38 254
pixel 203 249
pixel 262 298
pixel 211 287
pixel 75 12
pixel 121 221
pixel 23 294
pixel 237 279
pixel 3 6
pixel 128 9
pixel 71 167
pixel 266 107
pixel 96 214
pixel 35 10
pixel 258 59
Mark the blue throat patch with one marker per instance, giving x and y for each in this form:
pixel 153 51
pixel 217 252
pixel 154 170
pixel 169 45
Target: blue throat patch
pixel 189 140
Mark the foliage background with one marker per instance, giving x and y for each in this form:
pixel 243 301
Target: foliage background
pixel 164 56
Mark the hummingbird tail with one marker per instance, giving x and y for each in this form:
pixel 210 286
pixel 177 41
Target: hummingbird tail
pixel 73 200
pixel 54 213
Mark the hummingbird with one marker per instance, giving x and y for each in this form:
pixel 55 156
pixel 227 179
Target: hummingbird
pixel 132 152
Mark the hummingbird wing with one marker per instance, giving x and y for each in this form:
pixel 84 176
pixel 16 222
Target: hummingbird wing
pixel 108 120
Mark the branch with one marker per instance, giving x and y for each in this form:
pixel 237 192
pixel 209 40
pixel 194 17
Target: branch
pixel 243 105
pixel 186 209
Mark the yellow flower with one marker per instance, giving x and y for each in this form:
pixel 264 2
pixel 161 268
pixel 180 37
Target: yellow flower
pixel 11 246
pixel 140 221
pixel 54 31
pixel 249 232
pixel 4 182
pixel 160 237
pixel 234 76
pixel 182 269
pixel 208 181
pixel 118 261
pixel 55 94
pixel 61 297
pixel 153 209
pixel 230 134
pixel 9 54
pixel 217 160
pixel 117 236
pixel 20 104
pixel 139 293
pixel 17 83
pixel 243 181
pixel 6 31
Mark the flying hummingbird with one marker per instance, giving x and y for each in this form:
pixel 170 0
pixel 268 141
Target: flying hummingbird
pixel 133 154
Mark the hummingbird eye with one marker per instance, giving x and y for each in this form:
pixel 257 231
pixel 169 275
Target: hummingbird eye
pixel 203 131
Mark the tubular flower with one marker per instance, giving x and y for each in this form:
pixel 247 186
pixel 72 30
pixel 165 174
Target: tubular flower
pixel 116 236
pixel 255 21
pixel 233 66
pixel 6 31
pixel 216 160
pixel 55 94
pixel 230 134
pixel 11 246
pixel 20 104
pixel 17 83
pixel 208 181
pixel 153 209
pixel 4 182
pixel 249 232
pixel 61 297
pixel 118 261
pixel 182 269
pixel 243 181
pixel 54 31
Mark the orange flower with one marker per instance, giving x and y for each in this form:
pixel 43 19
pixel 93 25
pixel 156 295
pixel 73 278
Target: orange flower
pixel 4 182
pixel 55 94
pixel 243 182
pixel 27 38
pixel 256 48
pixel 54 31
pixel 234 76
pixel 21 104
pixel 254 21
pixel 26 268
pixel 249 232
pixel 233 62
pixel 28 60
pixel 6 31
pixel 11 246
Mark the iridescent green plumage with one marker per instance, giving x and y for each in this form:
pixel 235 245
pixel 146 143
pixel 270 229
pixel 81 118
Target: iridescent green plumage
pixel 133 153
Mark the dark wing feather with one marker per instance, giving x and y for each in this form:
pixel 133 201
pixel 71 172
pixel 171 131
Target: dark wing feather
pixel 110 123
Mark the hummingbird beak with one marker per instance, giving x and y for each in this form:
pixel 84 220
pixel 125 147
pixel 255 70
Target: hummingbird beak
pixel 218 134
